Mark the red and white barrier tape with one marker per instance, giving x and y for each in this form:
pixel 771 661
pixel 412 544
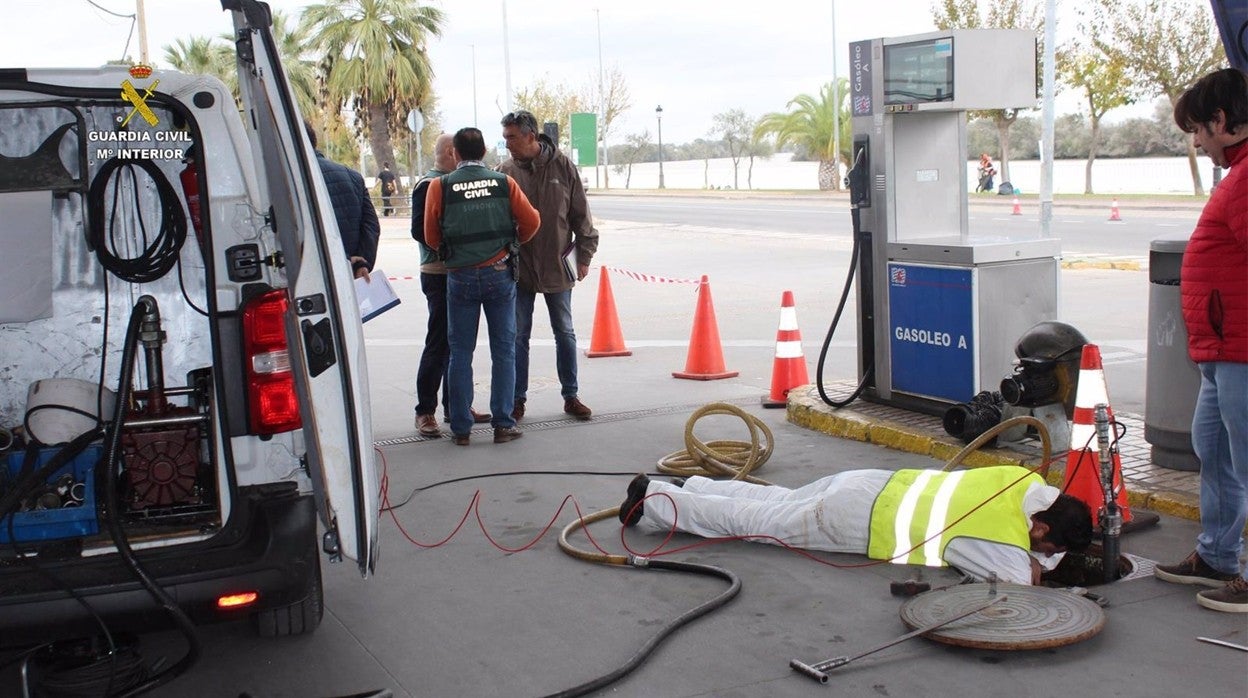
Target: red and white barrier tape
pixel 651 278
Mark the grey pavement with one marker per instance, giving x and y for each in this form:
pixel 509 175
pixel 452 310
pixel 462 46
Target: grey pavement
pixel 469 618
pixel 473 597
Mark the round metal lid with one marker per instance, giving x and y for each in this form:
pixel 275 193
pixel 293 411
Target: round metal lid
pixel 1029 618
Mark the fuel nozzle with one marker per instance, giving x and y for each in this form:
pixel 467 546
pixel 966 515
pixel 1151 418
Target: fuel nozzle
pixel 1110 514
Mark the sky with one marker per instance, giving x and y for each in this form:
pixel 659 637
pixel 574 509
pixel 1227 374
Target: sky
pixel 695 58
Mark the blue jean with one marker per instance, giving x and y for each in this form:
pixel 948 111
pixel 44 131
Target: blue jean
pixel 469 291
pixel 1220 439
pixel 559 305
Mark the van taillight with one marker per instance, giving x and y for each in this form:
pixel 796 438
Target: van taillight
pixel 273 405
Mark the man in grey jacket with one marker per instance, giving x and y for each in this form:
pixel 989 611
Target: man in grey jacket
pixel 553 184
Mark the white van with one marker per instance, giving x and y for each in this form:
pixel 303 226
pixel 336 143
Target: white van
pixel 152 226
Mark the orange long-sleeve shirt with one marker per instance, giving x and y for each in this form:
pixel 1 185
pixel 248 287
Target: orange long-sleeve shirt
pixel 527 218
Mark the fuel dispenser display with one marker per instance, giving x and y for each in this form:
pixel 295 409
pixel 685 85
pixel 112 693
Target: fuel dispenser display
pixel 939 308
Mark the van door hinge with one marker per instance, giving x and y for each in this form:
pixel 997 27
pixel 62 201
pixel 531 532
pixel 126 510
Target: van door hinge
pixel 329 544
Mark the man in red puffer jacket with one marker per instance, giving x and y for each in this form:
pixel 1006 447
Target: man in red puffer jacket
pixel 1215 310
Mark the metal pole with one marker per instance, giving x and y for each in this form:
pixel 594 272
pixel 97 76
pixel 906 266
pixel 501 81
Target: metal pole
pixel 1047 117
pixel 506 61
pixel 474 85
pixel 658 112
pixel 602 104
pixel 836 111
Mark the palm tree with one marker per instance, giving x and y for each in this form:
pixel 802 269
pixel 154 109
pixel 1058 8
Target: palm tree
pixel 809 126
pixel 375 60
pixel 200 55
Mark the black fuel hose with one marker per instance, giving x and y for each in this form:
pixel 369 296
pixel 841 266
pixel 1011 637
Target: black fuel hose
pixel 734 587
pixel 112 447
pixel 836 320
pixel 161 253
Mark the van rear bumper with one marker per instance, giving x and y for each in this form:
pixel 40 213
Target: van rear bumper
pixel 269 547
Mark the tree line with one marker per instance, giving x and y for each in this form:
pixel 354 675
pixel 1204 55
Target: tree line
pixel 359 67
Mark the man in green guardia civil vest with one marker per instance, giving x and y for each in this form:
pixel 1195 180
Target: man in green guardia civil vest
pixel 1003 519
pixel 477 219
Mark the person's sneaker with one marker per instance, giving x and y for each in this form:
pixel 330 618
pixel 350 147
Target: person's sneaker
pixel 632 508
pixel 505 434
pixel 427 425
pixel 517 410
pixel 460 439
pixel 1193 570
pixel 576 408
pixel 1232 598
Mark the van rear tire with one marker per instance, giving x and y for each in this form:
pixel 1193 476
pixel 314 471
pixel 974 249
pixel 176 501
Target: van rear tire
pixel 299 618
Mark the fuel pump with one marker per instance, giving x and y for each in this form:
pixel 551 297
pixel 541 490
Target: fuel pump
pixel 939 308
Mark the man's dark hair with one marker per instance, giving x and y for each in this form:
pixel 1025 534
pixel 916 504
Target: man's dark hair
pixel 524 119
pixel 1069 521
pixel 307 126
pixel 1225 89
pixel 469 143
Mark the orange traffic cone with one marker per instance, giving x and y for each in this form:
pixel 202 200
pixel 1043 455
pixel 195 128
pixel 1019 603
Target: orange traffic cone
pixel 706 358
pixel 1083 464
pixel 1113 211
pixel 1018 210
pixel 789 369
pixel 607 339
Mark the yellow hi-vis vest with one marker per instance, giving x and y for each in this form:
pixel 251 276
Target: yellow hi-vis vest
pixel 917 505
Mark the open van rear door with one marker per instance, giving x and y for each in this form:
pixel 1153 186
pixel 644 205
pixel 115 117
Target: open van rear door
pixel 326 339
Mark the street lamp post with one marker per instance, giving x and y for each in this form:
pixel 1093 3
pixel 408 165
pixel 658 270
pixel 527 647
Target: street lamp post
pixel 658 113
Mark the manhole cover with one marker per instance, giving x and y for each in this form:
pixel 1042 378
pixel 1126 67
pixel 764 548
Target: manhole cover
pixel 1029 618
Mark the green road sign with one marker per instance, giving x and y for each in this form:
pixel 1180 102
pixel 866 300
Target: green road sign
pixel 585 139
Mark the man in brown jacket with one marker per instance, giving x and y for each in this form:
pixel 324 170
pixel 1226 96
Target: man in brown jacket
pixel 556 258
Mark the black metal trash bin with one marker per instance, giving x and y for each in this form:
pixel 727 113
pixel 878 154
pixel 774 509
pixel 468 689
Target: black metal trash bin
pixel 1172 379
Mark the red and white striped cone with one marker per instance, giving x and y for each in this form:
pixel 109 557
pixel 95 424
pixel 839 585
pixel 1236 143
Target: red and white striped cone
pixel 789 368
pixel 1018 210
pixel 1083 464
pixel 1113 212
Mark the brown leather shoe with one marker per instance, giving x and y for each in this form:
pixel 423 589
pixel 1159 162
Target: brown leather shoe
pixel 427 425
pixel 517 410
pixel 576 408
pixel 503 435
pixel 477 417
pixel 460 439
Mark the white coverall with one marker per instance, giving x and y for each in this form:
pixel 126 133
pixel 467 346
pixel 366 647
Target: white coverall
pixel 832 514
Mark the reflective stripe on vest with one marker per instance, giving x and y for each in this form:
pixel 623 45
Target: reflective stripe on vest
pixel 916 506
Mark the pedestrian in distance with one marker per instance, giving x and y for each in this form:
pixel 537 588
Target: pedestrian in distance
pixel 477 219
pixel 1001 520
pixel 986 173
pixel 431 374
pixel 1213 284
pixel 558 257
pixel 389 189
pixel 357 219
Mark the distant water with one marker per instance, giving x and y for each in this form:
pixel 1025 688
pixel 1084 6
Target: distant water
pixel 1123 176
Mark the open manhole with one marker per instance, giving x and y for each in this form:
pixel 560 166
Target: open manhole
pixel 1085 569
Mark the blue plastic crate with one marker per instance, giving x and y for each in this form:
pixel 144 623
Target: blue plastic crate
pixel 52 524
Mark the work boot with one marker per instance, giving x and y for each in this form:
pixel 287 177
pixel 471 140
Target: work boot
pixel 504 434
pixel 427 425
pixel 1232 598
pixel 517 410
pixel 460 439
pixel 576 408
pixel 1193 570
pixel 633 507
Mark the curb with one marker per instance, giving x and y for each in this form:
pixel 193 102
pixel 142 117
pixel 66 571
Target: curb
pixel 806 409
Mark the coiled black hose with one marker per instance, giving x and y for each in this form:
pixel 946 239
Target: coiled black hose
pixel 161 253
